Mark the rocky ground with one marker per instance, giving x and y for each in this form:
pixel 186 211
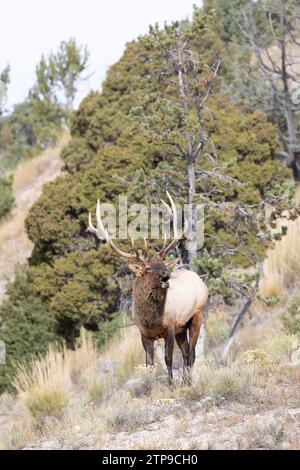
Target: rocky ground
pixel 239 406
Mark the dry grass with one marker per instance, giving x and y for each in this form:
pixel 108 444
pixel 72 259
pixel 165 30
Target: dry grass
pixel 259 435
pixel 280 347
pixel 176 414
pixel 104 412
pixel 45 384
pixel 282 265
pixel 217 328
pixel 126 415
pixel 83 361
pixel 18 435
pixel 124 352
pixel 30 171
pixel 29 178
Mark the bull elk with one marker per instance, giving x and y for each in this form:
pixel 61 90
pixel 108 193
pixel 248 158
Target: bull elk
pixel 165 305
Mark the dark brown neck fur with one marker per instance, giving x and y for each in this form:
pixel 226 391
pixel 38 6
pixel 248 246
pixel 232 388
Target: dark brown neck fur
pixel 149 302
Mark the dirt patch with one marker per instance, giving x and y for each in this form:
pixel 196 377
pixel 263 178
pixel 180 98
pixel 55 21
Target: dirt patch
pixel 29 178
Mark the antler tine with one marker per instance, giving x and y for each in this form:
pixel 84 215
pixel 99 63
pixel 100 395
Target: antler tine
pixel 91 227
pixel 134 248
pixel 168 208
pixel 146 247
pixel 100 226
pixel 102 234
pixel 177 235
pixel 175 216
pixel 165 241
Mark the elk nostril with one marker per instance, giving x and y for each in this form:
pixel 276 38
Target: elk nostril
pixel 166 275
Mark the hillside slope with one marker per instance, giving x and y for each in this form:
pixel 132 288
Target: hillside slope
pixel 110 401
pixel 29 178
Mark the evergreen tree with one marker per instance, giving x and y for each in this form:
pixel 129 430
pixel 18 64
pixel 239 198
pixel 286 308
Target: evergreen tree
pixel 60 74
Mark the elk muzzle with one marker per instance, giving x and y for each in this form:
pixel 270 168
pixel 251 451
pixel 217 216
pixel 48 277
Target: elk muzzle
pixel 164 281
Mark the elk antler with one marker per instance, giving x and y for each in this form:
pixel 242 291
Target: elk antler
pixel 138 256
pixel 101 234
pixel 177 236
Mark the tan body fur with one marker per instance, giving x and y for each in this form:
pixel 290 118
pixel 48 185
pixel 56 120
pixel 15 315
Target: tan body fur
pixel 187 296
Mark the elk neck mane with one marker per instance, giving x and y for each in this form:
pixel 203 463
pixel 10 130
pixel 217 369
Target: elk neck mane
pixel 149 302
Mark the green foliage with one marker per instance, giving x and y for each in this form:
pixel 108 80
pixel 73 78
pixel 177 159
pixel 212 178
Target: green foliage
pixel 62 72
pixel 26 327
pixel 30 128
pixel 6 196
pixel 291 318
pixel 34 124
pixel 229 13
pixel 80 289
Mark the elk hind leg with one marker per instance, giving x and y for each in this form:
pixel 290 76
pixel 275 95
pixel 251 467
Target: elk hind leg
pixel 169 348
pixel 183 344
pixel 194 329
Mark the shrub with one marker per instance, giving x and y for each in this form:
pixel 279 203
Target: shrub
pixel 291 318
pixel 228 384
pixel 254 356
pixel 6 196
pixel 48 402
pixel 280 347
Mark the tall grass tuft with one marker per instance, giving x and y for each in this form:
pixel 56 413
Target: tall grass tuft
pixel 282 265
pixel 45 383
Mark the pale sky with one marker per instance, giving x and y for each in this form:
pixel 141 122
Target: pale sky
pixel 29 28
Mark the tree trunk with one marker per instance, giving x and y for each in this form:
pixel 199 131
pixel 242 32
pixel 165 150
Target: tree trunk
pixel 192 241
pixel 234 329
pixel 191 172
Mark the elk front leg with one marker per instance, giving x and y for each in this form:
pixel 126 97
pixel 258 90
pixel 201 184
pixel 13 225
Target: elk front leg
pixel 169 348
pixel 194 330
pixel 149 350
pixel 183 344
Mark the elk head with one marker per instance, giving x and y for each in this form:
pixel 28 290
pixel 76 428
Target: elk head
pixel 154 269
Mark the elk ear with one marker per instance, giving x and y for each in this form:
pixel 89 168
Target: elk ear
pixel 171 263
pixel 136 268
